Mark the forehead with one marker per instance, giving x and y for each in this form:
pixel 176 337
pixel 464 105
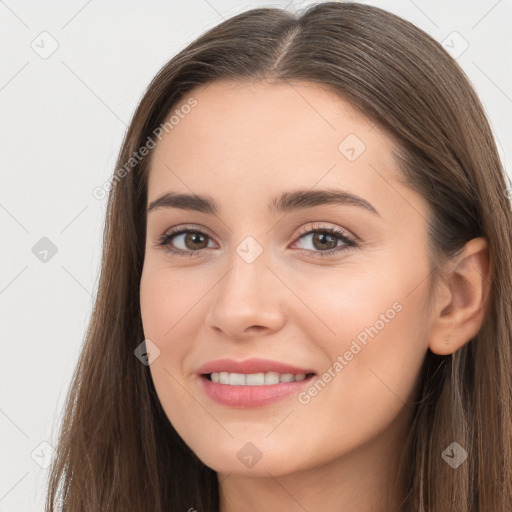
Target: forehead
pixel 259 137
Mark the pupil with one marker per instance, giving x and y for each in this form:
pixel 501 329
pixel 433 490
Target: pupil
pixel 192 237
pixel 321 236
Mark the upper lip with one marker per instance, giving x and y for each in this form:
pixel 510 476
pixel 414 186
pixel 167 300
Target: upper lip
pixel 253 365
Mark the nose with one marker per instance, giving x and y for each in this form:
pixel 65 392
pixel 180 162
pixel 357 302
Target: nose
pixel 247 300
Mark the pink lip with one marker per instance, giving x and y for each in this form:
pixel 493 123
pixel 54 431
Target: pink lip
pixel 253 365
pixel 250 396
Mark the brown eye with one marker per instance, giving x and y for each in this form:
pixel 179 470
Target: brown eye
pixel 195 240
pixel 184 242
pixel 324 241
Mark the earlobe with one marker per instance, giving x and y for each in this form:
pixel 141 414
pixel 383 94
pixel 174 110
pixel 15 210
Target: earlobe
pixel 461 308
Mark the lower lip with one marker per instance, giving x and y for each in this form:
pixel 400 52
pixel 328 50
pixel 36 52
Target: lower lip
pixel 251 396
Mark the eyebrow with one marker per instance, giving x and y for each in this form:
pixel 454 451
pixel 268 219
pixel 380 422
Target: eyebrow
pixel 286 202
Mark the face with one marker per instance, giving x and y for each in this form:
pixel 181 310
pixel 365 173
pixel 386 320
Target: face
pixel 289 323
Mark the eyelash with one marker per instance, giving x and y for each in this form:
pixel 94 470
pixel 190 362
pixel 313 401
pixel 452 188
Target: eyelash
pixel 350 242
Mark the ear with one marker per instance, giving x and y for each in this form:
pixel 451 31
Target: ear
pixel 462 299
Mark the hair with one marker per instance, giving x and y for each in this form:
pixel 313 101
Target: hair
pixel 118 451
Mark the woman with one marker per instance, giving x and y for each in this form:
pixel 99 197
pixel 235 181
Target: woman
pixel 304 301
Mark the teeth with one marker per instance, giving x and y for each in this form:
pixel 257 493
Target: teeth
pixel 271 378
pixel 236 379
pixel 255 379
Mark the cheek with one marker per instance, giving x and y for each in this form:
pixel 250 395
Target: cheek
pixel 157 304
pixel 373 338
pixel 170 302
pixel 167 297
pixel 164 305
pixel 338 308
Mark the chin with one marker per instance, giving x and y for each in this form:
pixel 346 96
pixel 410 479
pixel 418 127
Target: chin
pixel 251 459
pixel 230 465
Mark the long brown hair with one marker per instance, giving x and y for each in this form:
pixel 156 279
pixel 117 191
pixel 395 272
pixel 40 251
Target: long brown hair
pixel 117 450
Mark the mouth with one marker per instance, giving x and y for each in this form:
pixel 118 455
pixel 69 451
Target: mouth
pixel 255 379
pixel 252 382
pixel 252 390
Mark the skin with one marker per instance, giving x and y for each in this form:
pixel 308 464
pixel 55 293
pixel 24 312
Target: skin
pixel 243 144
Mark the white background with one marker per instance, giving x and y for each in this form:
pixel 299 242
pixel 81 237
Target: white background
pixel 63 119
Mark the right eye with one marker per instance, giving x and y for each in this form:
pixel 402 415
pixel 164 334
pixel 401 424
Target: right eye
pixel 183 237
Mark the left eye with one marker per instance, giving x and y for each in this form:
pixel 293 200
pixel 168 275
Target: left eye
pixel 193 241
pixel 325 241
